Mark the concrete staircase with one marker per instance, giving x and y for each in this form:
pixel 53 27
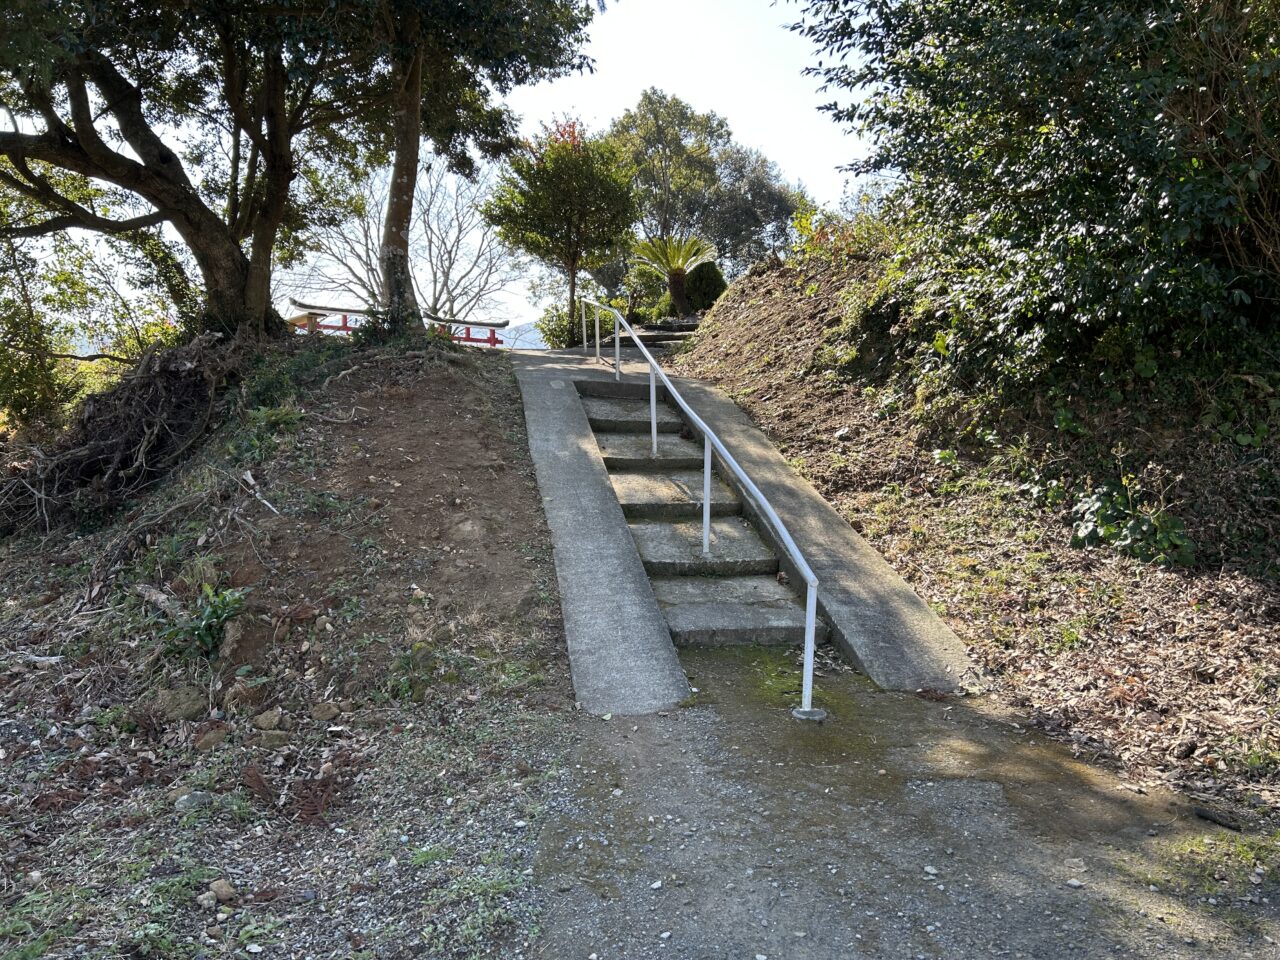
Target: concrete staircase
pixel 658 337
pixel 736 595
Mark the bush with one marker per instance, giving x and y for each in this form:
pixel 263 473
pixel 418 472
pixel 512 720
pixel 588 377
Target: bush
pixel 558 329
pixel 704 286
pixel 1043 220
pixel 1117 514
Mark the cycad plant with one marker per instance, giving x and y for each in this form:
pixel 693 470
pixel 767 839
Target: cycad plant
pixel 674 257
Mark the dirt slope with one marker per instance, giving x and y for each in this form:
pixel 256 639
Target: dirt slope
pixel 1173 673
pixel 355 766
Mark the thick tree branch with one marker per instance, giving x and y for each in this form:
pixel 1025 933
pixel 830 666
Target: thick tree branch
pixel 54 355
pixel 98 224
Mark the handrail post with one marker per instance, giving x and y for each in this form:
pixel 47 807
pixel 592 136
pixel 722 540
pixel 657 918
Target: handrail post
pixel 617 349
pixel 653 409
pixel 584 327
pixel 597 312
pixel 806 710
pixel 706 496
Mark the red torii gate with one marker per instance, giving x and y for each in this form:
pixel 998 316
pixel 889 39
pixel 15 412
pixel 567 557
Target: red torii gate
pixel 312 321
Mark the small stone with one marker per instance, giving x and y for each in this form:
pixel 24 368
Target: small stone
pixel 1075 884
pixel 931 871
pixel 656 885
pixel 268 719
pixel 323 623
pixel 325 711
pixel 347 706
pixel 207 900
pixel 617 791
pixel 223 890
pixel 192 800
pixel 665 935
pixel 183 703
pixel 253 948
pixel 272 739
pixel 210 739
pixel 881 773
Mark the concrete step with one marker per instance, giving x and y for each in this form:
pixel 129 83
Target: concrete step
pixel 650 337
pixel 670 496
pixel 719 611
pixel 617 415
pixel 675 548
pixel 634 451
pixel 677 326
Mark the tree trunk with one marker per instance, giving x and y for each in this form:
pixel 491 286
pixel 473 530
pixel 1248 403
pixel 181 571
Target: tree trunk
pixel 224 272
pixel 398 298
pixel 278 176
pixel 679 299
pixel 575 328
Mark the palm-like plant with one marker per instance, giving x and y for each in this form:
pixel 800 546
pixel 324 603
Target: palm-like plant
pixel 673 258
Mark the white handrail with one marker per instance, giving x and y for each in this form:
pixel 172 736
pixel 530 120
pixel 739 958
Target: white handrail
pixel 806 710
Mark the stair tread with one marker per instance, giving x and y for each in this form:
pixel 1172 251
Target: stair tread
pixel 727 610
pixel 651 336
pixel 614 413
pixel 635 449
pixel 675 547
pixel 670 493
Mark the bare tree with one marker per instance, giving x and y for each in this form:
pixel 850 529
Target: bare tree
pixel 465 262
pixel 458 265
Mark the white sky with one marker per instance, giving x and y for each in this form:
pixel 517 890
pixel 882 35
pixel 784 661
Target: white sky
pixel 731 57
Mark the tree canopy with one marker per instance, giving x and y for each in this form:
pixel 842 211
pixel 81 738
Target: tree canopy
pixel 692 178
pixel 567 200
pixel 1076 176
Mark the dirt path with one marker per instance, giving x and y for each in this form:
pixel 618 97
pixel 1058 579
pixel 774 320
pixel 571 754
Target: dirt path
pixel 901 828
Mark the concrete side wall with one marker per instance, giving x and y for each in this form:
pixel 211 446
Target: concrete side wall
pixel 620 649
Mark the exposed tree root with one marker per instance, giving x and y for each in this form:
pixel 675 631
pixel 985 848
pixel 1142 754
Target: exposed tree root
pixel 123 439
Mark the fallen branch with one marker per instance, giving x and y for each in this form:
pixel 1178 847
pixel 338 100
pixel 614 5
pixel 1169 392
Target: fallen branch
pixel 166 604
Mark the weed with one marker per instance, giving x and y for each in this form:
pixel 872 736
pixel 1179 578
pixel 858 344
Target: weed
pixel 1117 514
pixel 203 632
pixel 259 437
pixel 429 855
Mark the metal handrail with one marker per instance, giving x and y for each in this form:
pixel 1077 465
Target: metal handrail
pixel 806 709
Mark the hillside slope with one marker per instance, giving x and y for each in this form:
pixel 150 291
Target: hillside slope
pixel 305 693
pixel 1172 672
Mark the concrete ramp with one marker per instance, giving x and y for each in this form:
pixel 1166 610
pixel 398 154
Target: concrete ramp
pixel 620 649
